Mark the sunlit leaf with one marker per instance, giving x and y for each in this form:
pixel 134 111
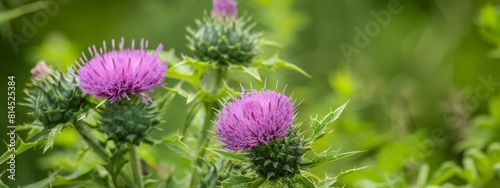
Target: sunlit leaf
pixel 327 156
pixel 227 154
pixel 276 62
pixel 320 127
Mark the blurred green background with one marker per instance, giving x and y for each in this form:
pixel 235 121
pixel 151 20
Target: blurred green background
pixel 412 85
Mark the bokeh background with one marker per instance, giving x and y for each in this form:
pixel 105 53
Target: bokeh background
pixel 412 85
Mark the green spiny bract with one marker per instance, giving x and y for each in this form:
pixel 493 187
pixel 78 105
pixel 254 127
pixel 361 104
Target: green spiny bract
pixel 129 120
pixel 281 157
pixel 224 41
pixel 54 99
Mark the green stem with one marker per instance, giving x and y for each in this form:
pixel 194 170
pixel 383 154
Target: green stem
pixel 207 124
pixel 86 134
pixel 135 163
pixel 93 143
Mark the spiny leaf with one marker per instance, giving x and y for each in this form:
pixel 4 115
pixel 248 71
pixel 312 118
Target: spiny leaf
pixel 54 132
pixel 22 146
pixel 189 70
pixel 252 71
pixel 238 181
pixel 276 62
pixel 87 179
pixel 327 156
pixel 329 181
pixel 306 182
pixel 226 154
pixel 169 55
pixel 319 127
pixel 115 164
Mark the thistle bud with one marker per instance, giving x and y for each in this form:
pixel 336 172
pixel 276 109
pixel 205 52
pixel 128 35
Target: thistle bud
pixel 53 98
pixel 224 41
pixel 129 121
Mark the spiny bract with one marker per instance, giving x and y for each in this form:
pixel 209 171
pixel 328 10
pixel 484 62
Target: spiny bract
pixel 129 120
pixel 54 99
pixel 280 158
pixel 224 41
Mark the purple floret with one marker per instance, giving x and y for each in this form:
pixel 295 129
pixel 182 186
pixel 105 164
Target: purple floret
pixel 224 8
pixel 257 117
pixel 41 70
pixel 115 74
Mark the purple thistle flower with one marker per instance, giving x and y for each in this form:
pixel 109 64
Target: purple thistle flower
pixel 41 70
pixel 256 117
pixel 223 8
pixel 115 74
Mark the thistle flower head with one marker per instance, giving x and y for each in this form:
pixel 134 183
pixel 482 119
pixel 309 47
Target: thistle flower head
pixel 224 8
pixel 119 72
pixel 257 117
pixel 41 70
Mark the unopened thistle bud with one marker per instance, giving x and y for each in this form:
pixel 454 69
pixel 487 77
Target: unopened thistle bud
pixel 222 38
pixel 53 96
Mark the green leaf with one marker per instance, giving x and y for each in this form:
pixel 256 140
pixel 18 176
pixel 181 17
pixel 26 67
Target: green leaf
pixel 226 154
pixel 178 146
pixel 319 127
pixel 445 172
pixel 329 181
pixel 327 156
pixel 22 146
pixel 494 152
pixel 264 42
pixel 52 136
pixel 306 182
pixel 87 179
pixel 169 55
pixel 42 183
pixel 189 70
pixel 238 181
pixel 116 163
pixel 33 129
pixel 470 171
pixel 276 62
pixel 423 175
pixel 496 171
pixel 480 160
pixel 252 71
pixel 5 16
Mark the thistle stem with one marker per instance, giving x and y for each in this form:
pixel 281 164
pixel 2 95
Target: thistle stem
pixel 93 143
pixel 135 163
pixel 209 112
pixel 86 134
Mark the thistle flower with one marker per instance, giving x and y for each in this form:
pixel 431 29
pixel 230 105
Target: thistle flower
pixel 116 74
pixel 255 118
pixel 224 8
pixel 260 124
pixel 41 70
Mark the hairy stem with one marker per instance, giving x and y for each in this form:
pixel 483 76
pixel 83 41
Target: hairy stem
pixel 135 163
